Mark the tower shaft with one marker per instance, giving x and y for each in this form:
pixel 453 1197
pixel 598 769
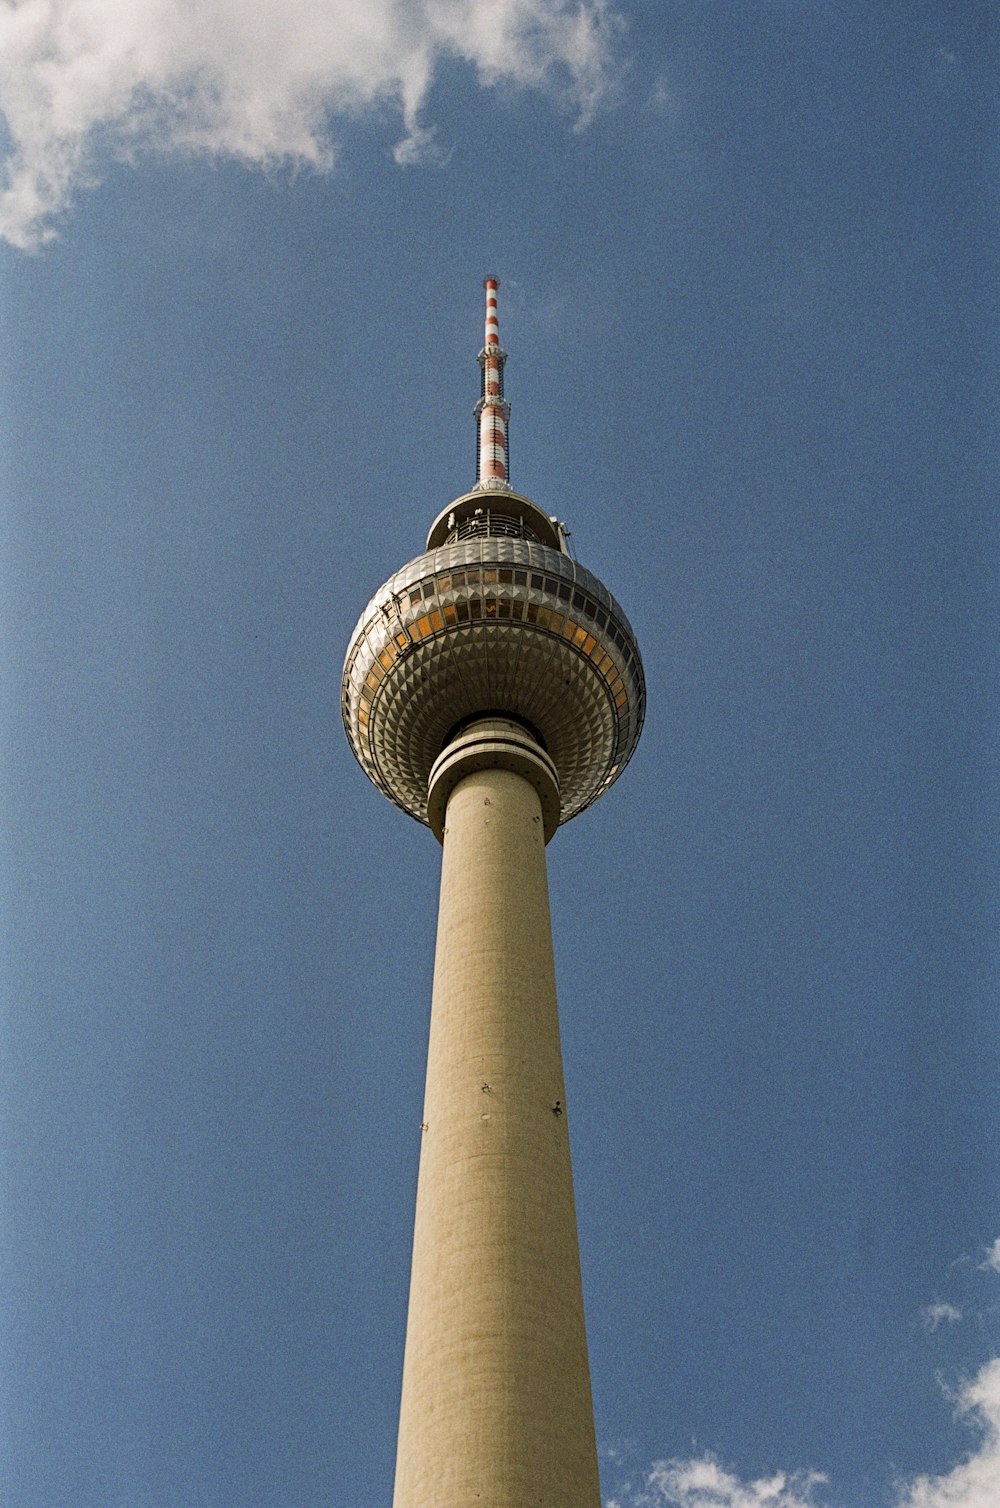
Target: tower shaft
pixel 496 1406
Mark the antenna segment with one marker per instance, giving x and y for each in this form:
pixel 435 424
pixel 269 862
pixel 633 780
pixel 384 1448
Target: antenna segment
pixel 492 411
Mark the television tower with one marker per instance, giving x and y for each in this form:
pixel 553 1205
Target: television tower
pixel 493 689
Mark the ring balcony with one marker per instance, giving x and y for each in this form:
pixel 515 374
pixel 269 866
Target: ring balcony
pixel 494 510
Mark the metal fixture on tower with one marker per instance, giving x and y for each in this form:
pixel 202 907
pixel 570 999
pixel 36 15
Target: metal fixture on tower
pixel 493 689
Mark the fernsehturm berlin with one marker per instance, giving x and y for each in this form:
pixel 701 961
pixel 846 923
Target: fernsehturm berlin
pixel 493 689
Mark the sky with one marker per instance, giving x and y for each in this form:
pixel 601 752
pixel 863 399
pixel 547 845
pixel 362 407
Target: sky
pixel 748 262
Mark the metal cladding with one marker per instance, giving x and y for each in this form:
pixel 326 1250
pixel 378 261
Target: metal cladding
pixel 493 625
pixel 495 618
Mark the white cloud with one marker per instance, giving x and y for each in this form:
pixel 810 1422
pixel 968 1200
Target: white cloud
pixel 974 1482
pixel 702 1483
pixel 992 1263
pixel 420 149
pixel 940 1314
pixel 260 81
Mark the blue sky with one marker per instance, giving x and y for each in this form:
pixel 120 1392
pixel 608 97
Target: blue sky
pixel 748 256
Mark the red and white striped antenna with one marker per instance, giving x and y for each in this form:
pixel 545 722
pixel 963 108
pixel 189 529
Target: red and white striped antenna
pixel 492 411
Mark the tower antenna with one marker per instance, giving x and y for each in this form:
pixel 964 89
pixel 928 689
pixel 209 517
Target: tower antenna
pixel 492 411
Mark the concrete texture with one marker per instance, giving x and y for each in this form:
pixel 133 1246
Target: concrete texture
pixel 496 1407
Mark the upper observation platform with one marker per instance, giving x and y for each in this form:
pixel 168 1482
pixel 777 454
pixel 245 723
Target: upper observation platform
pixel 494 618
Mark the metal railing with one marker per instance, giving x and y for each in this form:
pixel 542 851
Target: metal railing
pixel 485 524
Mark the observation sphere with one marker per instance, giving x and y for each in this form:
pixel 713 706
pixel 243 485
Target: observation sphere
pixel 494 619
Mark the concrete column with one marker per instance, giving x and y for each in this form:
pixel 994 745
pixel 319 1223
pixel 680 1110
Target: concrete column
pixel 496 1407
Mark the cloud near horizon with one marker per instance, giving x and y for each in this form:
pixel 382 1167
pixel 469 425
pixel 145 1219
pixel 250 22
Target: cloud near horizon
pixel 974 1482
pixel 263 82
pixel 701 1482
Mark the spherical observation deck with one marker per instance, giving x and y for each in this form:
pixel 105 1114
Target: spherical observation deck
pixel 494 618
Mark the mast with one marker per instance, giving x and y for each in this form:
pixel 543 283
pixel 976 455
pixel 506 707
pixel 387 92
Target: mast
pixel 492 411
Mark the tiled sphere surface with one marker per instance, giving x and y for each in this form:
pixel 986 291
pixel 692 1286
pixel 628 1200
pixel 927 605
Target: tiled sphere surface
pixel 493 625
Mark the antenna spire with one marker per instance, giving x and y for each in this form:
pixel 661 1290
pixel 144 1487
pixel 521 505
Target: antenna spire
pixel 492 410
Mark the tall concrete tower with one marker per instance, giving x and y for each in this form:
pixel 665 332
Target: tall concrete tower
pixel 493 689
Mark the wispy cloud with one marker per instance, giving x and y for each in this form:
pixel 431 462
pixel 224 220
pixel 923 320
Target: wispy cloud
pixel 974 1482
pixel 260 81
pixel 992 1262
pixel 421 148
pixel 701 1482
pixel 936 1315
